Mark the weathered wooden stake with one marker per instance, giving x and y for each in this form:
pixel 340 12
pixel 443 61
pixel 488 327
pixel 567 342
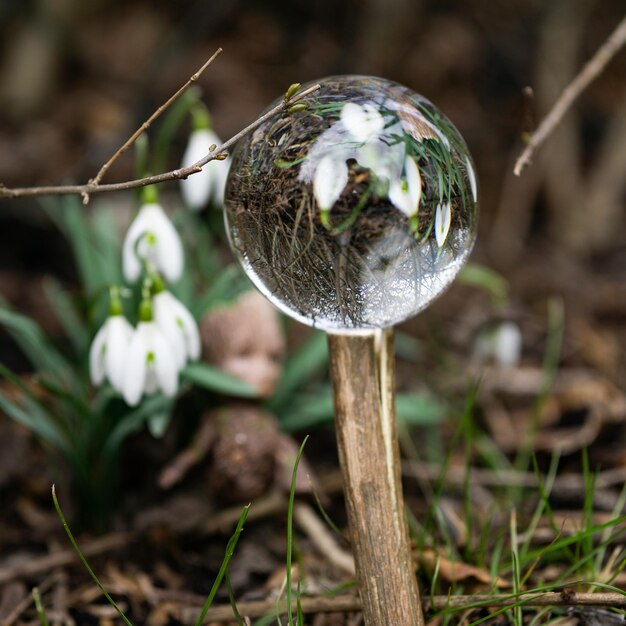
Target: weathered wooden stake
pixel 362 373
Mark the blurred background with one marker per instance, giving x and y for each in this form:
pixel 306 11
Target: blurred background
pixel 77 77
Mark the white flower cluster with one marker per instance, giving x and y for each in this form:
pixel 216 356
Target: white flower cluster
pixel 148 358
pixel 361 134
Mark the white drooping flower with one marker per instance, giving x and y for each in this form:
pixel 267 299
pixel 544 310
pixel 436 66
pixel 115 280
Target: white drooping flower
pixel 360 134
pixel 502 344
pixel 151 364
pixel 405 192
pixel 363 121
pixel 152 238
pixel 178 326
pixel 108 351
pixel 443 219
pixel 331 176
pixel 208 185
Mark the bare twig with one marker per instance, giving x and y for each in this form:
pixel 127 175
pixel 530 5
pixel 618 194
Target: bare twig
pixel 62 557
pixel 591 70
pixel 91 188
pixel 319 534
pixel 131 140
pixel 344 604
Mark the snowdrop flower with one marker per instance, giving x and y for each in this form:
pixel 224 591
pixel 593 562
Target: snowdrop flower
pixel 209 184
pixel 405 192
pixel 152 239
pixel 443 219
pixel 178 326
pixel 360 134
pixel 330 179
pixel 151 364
pixel 363 121
pixel 109 349
pixel 502 344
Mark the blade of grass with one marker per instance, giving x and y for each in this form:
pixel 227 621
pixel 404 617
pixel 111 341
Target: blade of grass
pixel 517 588
pixel 41 613
pixel 292 496
pixel 231 599
pixel 83 560
pixel 230 549
pixel 554 345
pixel 544 494
pixel 300 367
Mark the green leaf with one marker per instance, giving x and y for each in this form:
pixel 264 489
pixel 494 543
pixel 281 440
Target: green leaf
pixel 66 313
pixel 33 342
pixel 133 421
pixel 36 420
pixel 308 410
pixel 69 216
pixel 485 278
pixel 419 409
pixel 300 367
pixel 158 423
pixel 223 290
pixel 312 409
pixel 215 379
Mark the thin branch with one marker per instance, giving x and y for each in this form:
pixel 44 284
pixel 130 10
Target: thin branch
pixel 345 604
pixel 591 70
pixel 131 140
pixel 91 188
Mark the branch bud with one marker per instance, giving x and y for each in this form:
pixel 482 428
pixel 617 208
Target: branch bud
pixel 297 108
pixel 291 91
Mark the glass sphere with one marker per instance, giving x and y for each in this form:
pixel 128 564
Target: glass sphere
pixel 355 213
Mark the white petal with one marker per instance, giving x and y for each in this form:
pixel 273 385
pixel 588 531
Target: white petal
pixel 169 248
pixel 166 251
pixel 472 178
pixel 220 170
pixel 405 193
pixel 177 323
pixel 508 344
pixel 131 265
pixel 118 340
pixel 165 319
pixel 362 121
pixel 136 365
pixel 331 177
pixel 189 329
pixel 198 188
pixel 164 364
pixel 97 355
pixel 443 218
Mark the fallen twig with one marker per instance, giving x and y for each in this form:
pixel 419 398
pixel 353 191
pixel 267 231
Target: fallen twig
pixel 346 604
pixel 590 71
pixel 63 557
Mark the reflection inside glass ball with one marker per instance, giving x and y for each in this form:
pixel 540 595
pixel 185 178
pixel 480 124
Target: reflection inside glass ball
pixel 357 212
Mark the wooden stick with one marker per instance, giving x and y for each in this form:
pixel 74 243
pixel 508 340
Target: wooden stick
pixel 362 373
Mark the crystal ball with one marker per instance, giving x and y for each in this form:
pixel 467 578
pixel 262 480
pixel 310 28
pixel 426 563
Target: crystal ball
pixel 356 212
